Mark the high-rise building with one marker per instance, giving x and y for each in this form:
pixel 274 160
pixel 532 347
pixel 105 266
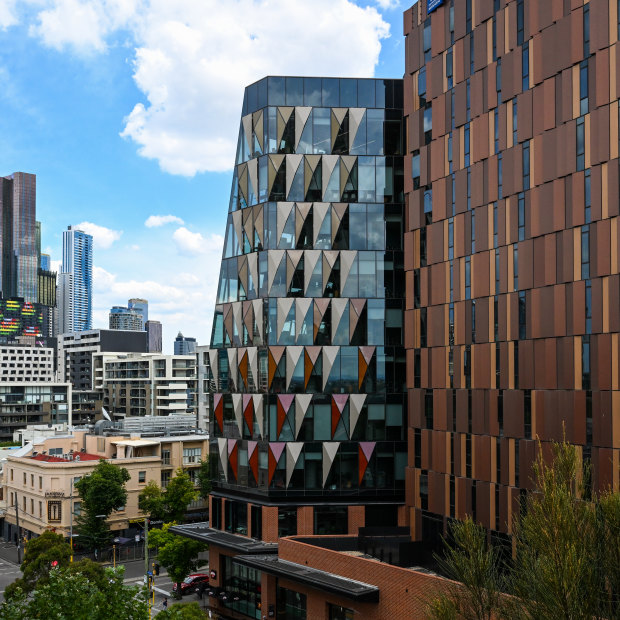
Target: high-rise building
pixel 141 306
pixel 18 238
pixel 123 318
pixel 75 281
pixel 154 336
pixel 308 419
pixel 184 345
pixel 511 250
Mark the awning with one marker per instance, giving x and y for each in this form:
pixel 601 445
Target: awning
pixel 135 443
pixel 226 540
pixel 313 577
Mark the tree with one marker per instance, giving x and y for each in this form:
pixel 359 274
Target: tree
pixel 204 480
pixel 169 504
pixel 101 492
pixel 182 611
pixel 38 557
pixel 474 565
pixel 178 554
pixel 71 595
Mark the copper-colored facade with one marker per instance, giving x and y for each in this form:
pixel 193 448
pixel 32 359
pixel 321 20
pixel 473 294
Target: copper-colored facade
pixel 511 249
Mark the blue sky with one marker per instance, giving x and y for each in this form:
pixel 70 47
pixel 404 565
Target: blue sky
pixel 127 109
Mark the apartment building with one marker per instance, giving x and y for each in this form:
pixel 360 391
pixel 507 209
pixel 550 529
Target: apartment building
pixel 23 364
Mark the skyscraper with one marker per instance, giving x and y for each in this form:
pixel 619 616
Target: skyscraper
pixel 184 345
pixel 141 306
pixel 121 317
pixel 511 250
pixel 75 281
pixel 18 238
pixel 308 416
pixel 154 336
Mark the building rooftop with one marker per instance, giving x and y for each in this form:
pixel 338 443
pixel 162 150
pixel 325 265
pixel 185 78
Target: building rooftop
pixel 75 457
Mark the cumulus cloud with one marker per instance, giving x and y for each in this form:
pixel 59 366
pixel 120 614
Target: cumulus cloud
pixel 103 237
pixel 193 243
pixel 154 221
pixel 7 14
pixel 386 5
pixel 194 57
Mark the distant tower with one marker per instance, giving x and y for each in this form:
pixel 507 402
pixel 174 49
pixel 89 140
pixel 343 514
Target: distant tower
pixel 154 336
pixel 184 346
pixel 124 318
pixel 75 298
pixel 141 306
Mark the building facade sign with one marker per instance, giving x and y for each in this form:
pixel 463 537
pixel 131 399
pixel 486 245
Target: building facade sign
pixel 54 511
pixel 55 494
pixel 431 5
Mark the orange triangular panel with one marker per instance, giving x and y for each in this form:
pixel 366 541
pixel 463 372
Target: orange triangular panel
pixel 363 367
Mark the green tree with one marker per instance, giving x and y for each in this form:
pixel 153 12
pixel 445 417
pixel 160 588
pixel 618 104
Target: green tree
pixel 169 504
pixel 178 554
pixel 38 557
pixel 204 480
pixel 474 565
pixel 182 611
pixel 71 595
pixel 101 492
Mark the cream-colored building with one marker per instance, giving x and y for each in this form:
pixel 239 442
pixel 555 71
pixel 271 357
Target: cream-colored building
pixel 41 483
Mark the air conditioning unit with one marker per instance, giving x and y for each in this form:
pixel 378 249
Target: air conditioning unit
pixel 76 457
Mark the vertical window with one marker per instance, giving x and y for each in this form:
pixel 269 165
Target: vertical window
pixel 526 164
pixel 500 175
pixel 422 86
pixel 427 40
pixel 473 232
pixel 585 363
pixel 497 282
pixel 514 121
pixel 452 22
pixel 415 169
pixel 521 216
pixel 451 324
pixel 496 327
pixel 515 260
pixel 525 69
pixel 467 16
pixel 468 93
pixel 471 54
pixel 468 189
pixel 522 316
pixel 466 145
pixel 495 225
pixel 496 129
pixel 450 238
pixel 473 321
pixel 588 307
pixel 428 123
pixel 588 194
pixel 450 152
pixel 586 30
pixel 516 364
pixel 520 22
pixel 452 108
pixel 494 37
pixel 498 81
pixel 449 68
pixel 467 367
pixel 581 144
pixel 467 277
pixel 585 252
pixel 583 87
pixel 453 195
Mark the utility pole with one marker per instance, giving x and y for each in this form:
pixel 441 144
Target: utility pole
pixel 71 510
pixel 19 538
pixel 146 546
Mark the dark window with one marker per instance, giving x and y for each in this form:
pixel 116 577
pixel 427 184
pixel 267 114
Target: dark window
pixel 422 85
pixel 585 362
pixel 467 141
pixel 526 165
pixel 498 81
pixel 473 232
pixel 473 321
pixel 468 100
pixel 471 53
pixel 583 87
pixel 521 216
pixel 468 189
pixel 141 476
pixel 291 604
pixel 515 260
pixel 467 366
pixel 451 238
pixel 427 40
pixel 428 123
pixel 215 516
pixel 236 514
pixel 417 446
pixel 588 194
pixel 340 613
pixel 451 17
pixel 330 520
pixel 256 517
pixel 525 69
pixel 581 144
pixel 514 121
pixel 500 176
pixel 494 37
pixel 449 67
pixel 495 225
pixel 586 31
pixel 243 588
pixel 588 307
pixel 520 22
pixel 496 129
pixel 428 408
pixel 467 277
pixel 467 16
pixel 287 522
pixel 522 316
pixel 415 169
pixel 585 252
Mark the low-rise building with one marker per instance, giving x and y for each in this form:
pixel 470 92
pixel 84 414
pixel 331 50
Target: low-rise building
pixel 40 485
pixel 25 364
pixel 146 384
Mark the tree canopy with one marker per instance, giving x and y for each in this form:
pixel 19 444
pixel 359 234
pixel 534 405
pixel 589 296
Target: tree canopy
pixel 69 594
pixel 204 480
pixel 169 504
pixel 178 554
pixel 102 492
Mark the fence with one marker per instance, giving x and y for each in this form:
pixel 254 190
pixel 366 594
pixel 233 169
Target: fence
pixel 124 553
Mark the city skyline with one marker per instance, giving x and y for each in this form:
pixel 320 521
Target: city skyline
pixel 83 112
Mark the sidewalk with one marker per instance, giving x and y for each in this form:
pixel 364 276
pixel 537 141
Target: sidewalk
pixel 8 552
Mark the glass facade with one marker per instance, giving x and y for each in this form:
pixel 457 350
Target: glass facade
pixel 307 353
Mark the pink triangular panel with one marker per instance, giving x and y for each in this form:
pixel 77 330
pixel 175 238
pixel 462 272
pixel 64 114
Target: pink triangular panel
pixel 368 448
pixel 340 400
pixel 246 399
pixel 276 449
pixel 367 352
pixel 358 305
pixel 313 353
pixel 322 303
pixel 216 400
pixel 231 445
pixel 251 447
pixel 286 400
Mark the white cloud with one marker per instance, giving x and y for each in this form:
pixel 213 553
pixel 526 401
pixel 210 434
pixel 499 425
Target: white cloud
pixel 386 5
pixel 103 237
pixel 159 220
pixel 193 243
pixel 194 57
pixel 7 14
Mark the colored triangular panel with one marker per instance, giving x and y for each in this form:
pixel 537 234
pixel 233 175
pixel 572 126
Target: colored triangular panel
pixel 275 451
pixel 218 405
pixel 233 458
pixel 302 402
pixel 329 357
pixel 238 319
pixel 275 355
pixel 362 366
pixel 341 401
pixel 357 402
pixel 275 161
pixel 283 305
pixel 258 412
pixel 367 448
pixel 232 366
pixel 337 117
pixel 363 464
pixel 302 210
pixel 274 258
pixel 293 353
pixel 222 444
pixel 238 409
pixel 246 123
pixel 301 117
pixel 293 450
pixel 253 180
pixel 243 367
pixel 257 125
pixel 330 448
pixel 335 418
pixel 284 114
pixel 237 218
pixel 253 459
pixel 319 212
pixel 248 411
pixel 259 222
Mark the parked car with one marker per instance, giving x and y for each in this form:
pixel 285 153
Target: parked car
pixel 191 583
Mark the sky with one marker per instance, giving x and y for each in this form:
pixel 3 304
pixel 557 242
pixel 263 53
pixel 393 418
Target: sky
pixel 128 112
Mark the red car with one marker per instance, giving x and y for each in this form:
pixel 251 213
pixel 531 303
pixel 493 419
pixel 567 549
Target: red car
pixel 191 583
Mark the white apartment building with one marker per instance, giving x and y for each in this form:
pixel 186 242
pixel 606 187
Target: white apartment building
pixel 140 384
pixel 204 386
pixel 19 364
